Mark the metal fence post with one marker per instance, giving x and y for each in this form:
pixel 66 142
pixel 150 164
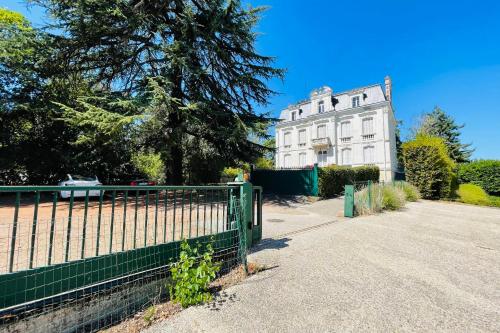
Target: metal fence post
pixel 349 201
pixel 315 189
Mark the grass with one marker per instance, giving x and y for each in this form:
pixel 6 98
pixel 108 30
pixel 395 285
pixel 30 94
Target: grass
pixel 475 195
pixel 393 198
pixel 384 197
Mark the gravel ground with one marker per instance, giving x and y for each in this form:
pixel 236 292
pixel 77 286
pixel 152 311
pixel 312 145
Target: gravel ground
pixel 432 267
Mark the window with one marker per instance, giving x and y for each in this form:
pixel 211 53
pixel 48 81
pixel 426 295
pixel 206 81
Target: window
pixel 287 139
pixel 346 156
pixel 302 138
pixel 322 156
pixel 294 115
pixel 302 159
pixel 321 107
pixel 369 154
pixel 355 101
pixel 367 126
pixel 321 131
pixel 345 129
pixel 287 161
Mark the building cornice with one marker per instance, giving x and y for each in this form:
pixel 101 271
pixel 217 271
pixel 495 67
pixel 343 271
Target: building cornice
pixel 331 113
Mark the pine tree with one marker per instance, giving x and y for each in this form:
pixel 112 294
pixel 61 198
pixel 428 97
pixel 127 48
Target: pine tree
pixel 438 123
pixel 193 63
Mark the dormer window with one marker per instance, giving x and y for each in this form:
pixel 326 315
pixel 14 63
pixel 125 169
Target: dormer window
pixel 321 107
pixel 294 115
pixel 355 101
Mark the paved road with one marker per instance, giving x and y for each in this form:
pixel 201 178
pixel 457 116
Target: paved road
pixel 432 267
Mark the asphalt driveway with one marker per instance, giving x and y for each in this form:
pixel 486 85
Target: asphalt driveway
pixel 432 267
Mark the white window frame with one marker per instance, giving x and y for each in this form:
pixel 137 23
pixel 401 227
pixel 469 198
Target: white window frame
pixel 287 159
pixel 293 116
pixel 318 131
pixel 345 133
pixel 302 140
pixel 287 143
pixel 371 158
pixel 364 129
pixel 302 159
pixel 349 160
pixel 321 106
pixel 355 101
pixel 322 158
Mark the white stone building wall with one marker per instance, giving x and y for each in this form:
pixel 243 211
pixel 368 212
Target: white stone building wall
pixel 373 103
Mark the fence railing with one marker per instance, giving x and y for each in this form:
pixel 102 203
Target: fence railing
pixel 51 247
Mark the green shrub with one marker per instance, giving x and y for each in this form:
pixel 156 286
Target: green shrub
pixel 151 165
pixel 333 178
pixel 495 201
pixel 192 274
pixel 231 172
pixel 485 173
pixel 428 167
pixel 473 194
pixel 264 163
pixel 410 191
pixel 393 197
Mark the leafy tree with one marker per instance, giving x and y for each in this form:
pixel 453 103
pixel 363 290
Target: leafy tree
pixel 39 141
pixel 151 165
pixel 192 63
pixel 438 123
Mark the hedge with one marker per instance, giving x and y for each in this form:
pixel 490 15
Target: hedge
pixel 429 167
pixel 484 173
pixel 333 178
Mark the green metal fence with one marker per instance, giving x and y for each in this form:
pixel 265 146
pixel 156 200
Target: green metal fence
pixel 55 251
pixel 288 181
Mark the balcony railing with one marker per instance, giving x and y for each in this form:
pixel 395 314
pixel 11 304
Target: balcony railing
pixel 321 142
pixel 367 137
pixel 346 139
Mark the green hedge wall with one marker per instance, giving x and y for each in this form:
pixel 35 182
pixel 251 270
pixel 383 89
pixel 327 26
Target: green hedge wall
pixel 484 173
pixel 429 167
pixel 333 178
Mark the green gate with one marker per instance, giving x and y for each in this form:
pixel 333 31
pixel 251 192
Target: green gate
pixel 287 181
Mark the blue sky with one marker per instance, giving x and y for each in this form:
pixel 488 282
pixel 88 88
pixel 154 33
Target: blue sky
pixel 444 53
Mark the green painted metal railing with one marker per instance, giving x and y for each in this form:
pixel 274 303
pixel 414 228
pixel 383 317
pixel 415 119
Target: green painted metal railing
pixel 49 246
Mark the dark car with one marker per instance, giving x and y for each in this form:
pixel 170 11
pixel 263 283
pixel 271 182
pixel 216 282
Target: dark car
pixel 142 182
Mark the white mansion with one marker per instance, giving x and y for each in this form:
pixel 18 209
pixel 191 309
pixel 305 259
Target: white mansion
pixel 354 128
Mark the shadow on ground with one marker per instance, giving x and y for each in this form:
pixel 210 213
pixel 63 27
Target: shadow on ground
pixel 271 244
pixel 285 200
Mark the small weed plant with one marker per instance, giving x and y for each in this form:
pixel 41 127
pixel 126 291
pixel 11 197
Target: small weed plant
pixel 149 314
pixel 192 274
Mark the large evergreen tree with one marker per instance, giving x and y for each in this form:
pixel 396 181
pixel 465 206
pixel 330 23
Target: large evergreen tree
pixel 438 123
pixel 191 64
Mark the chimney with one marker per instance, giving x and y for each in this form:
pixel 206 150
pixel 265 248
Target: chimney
pixel 388 88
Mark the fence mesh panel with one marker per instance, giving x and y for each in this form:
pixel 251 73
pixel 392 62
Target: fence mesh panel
pixel 87 262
